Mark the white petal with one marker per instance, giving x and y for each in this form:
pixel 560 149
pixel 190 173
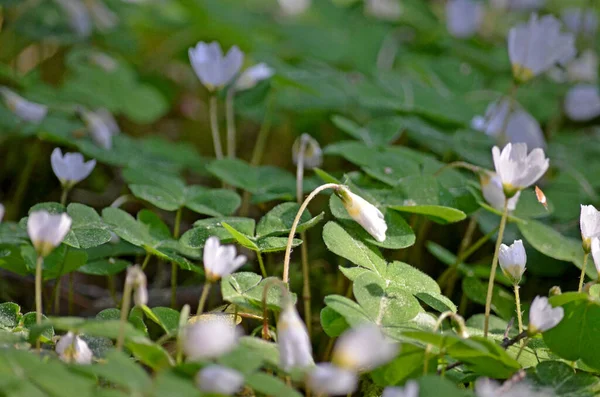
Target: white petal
pixel 254 74
pixel 209 339
pixel 220 380
pixel 294 7
pixel 295 349
pixel 364 213
pixel 327 379
pixel 47 231
pixel 24 109
pixel 463 17
pixel 542 316
pixel 596 253
pixel 1 212
pixel 411 389
pixel 363 348
pixel 582 102
pixel 72 349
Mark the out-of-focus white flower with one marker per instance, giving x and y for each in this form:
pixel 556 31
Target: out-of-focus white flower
pixel 493 192
pixel 579 20
pixel 582 102
pixel 220 260
pixel 24 109
pixel 219 380
pixel 513 260
pixel 101 125
pixel 542 316
pixel 463 17
pixel 518 5
pixel 387 10
pixel 589 224
pixel 103 17
pixel 295 349
pixel 411 389
pixel 208 339
pixel 1 212
pixel 105 61
pixel 517 169
pixel 595 247
pixel 329 380
pixel 212 68
pixel 584 68
pixel 535 47
pixel 294 7
pixel 136 278
pixel 253 75
pixel 363 348
pixel 70 168
pixel 79 16
pixel 313 155
pixel 47 231
pixel 485 387
pixel 72 349
pixel 518 126
pixel 364 213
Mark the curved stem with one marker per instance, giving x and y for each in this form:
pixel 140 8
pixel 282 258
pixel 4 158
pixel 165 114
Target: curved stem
pixel 518 304
pixel 125 306
pixel 203 297
pixel 261 263
pixel 582 277
pixel 488 299
pixel 462 333
pixel 288 248
pixel 214 127
pixel 121 200
pixel 230 117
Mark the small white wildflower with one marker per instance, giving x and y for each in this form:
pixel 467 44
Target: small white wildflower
pixel 517 169
pixel 411 389
pixel 104 18
pixel 79 16
pixel 387 10
pixel 70 168
pixel 294 7
pixel 136 278
pixel 220 260
pixel 363 348
pixel 542 316
pixel 72 349
pixel 22 108
pixel 493 192
pixel 582 102
pixel 463 17
pixel 295 349
pixel 589 224
pixel 584 68
pixel 208 339
pixel 330 380
pixel 512 260
pixel 313 155
pixel 253 75
pixel 102 126
pixel 212 68
pixel 219 380
pixel 364 213
pixel 47 231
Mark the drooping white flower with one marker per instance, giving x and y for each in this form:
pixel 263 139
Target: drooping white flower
pixel 70 168
pixel 1 212
pixel 72 349
pixel 364 213
pixel 253 75
pixel 313 155
pixel 22 108
pixel 363 348
pixel 584 68
pixel 595 248
pixel 209 339
pixel 589 224
pixel 516 126
pixel 329 380
pixel 79 16
pixel 579 20
pixel 582 102
pixel 517 169
pixel 295 349
pixel 212 68
pixel 47 231
pixel 411 389
pixel 387 10
pixel 518 5
pixel 513 260
pixel 294 7
pixel 220 260
pixel 101 125
pixel 463 17
pixel 219 380
pixel 542 316
pixel 136 278
pixel 535 47
pixel 493 192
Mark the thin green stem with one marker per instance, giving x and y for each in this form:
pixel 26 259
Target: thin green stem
pixel 488 299
pixel 177 225
pixel 125 306
pixel 24 179
pixel 263 134
pixel 71 297
pixel 56 295
pixel 261 263
pixel 174 266
pixel 146 260
pixel 64 195
pixel 183 319
pixel 582 277
pixel 214 127
pixel 203 298
pixel 518 304
pixel 38 289
pixel 230 117
pixel 110 283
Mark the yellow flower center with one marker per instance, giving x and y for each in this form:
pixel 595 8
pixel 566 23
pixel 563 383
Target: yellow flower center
pixel 521 73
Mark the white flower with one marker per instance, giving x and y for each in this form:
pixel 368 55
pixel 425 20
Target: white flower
pixel 294 7
pixel 364 213
pixel 542 316
pixel 521 5
pixel 253 75
pixel 72 349
pixel 580 21
pixel 535 47
pixel 103 17
pixel 70 168
pixel 411 389
pixel 212 68
pixel 295 349
pixel 313 155
pixel 463 17
pixel 105 61
pixel 589 223
pixel 136 278
pixel 47 231
pixel 595 247
pixel 208 339
pixel 518 126
pixel 517 169
pixel 485 387
pixel 327 379
pixel 220 260
pixel 79 16
pixel 1 212
pixel 363 348
pixel 584 68
pixel 387 10
pixel 582 102
pixel 24 109
pixel 102 126
pixel 493 193
pixel 513 260
pixel 219 380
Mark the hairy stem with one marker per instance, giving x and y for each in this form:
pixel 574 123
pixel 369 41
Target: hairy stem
pixel 203 297
pixel 214 127
pixel 38 289
pixel 518 304
pixel 261 263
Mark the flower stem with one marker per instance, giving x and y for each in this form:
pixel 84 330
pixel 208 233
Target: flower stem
pixel 125 305
pixel 582 277
pixel 174 266
pixel 488 299
pixel 71 293
pixel 214 127
pixel 63 196
pixel 261 263
pixel 263 134
pixel 230 117
pixel 288 248
pixel 518 303
pixel 38 289
pixel 146 260
pixel 203 297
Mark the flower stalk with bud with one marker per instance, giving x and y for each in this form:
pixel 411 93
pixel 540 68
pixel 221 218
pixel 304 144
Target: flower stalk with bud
pixel 512 262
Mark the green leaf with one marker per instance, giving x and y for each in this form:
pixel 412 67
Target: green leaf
pixel 502 301
pixel 408 364
pixel 246 289
pixel 279 220
pixel 87 230
pixel 374 133
pixel 204 228
pixel 104 267
pixel 433 386
pixel 120 370
pixel 332 322
pixel 269 385
pixel 352 312
pixel 563 379
pixel 62 260
pixel 240 237
pixel 169 382
pixel 11 259
pixel 212 202
pixel 166 317
pixel 10 314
